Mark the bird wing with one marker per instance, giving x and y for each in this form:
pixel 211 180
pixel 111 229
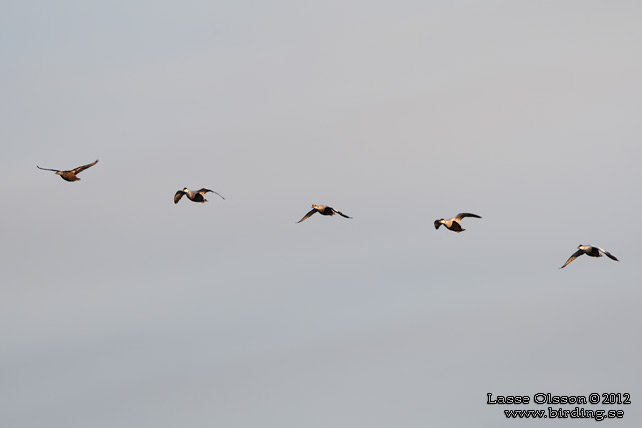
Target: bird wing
pixel 178 196
pixel 84 167
pixel 340 213
pixel 312 211
pixel 573 257
pixel 204 191
pixel 462 215
pixel 48 169
pixel 609 255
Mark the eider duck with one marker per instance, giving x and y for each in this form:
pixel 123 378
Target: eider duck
pixel 453 223
pixel 196 196
pixel 323 210
pixel 589 251
pixel 71 174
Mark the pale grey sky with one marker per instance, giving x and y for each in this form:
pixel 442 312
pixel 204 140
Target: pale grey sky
pixel 121 309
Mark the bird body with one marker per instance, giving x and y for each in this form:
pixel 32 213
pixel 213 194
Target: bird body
pixel 591 251
pixel 454 223
pixel 323 210
pixel 194 196
pixel 71 174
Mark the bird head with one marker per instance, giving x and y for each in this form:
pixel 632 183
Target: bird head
pixel 314 206
pixel 185 189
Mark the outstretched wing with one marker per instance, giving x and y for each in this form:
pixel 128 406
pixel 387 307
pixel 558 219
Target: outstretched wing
pixel 204 191
pixel 463 215
pixel 312 211
pixel 573 257
pixel 84 167
pixel 178 196
pixel 609 255
pixel 340 213
pixel 48 169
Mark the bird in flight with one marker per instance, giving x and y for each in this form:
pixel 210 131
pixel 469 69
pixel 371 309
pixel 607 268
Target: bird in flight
pixel 323 210
pixel 196 196
pixel 589 251
pixel 454 223
pixel 71 174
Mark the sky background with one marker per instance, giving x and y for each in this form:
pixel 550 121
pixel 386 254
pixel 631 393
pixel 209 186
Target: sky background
pixel 121 309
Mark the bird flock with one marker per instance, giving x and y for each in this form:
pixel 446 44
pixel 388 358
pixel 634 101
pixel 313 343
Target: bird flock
pixel 453 224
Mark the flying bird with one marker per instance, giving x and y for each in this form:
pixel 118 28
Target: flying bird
pixel 197 196
pixel 324 210
pixel 454 223
pixel 589 251
pixel 71 174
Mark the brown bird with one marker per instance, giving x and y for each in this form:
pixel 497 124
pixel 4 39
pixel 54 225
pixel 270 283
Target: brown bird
pixel 71 174
pixel 196 196
pixel 589 251
pixel 453 223
pixel 323 210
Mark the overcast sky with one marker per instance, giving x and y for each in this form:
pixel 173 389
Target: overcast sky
pixel 121 309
